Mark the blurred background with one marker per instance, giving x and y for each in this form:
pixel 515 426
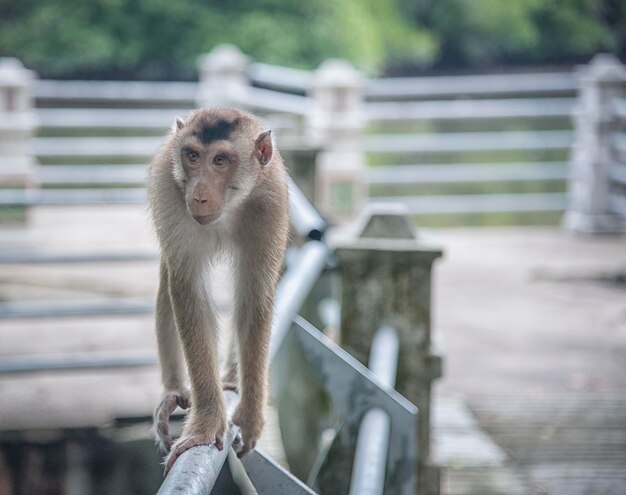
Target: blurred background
pixel 121 39
pixel 491 132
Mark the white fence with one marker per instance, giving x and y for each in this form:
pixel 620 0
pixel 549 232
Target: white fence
pixel 466 146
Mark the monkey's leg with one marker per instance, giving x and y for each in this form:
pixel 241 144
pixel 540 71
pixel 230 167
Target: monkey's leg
pixel 196 323
pixel 172 363
pixel 255 297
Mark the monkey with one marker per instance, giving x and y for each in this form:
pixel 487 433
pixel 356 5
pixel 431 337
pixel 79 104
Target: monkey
pixel 217 189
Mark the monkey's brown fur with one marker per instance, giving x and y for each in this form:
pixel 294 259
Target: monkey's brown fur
pixel 217 187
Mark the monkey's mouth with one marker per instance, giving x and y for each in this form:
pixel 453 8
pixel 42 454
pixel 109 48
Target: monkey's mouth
pixel 206 219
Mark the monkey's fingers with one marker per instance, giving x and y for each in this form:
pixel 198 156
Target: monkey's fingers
pixel 185 444
pixel 164 439
pixel 162 421
pixel 243 445
pixel 183 399
pixel 245 449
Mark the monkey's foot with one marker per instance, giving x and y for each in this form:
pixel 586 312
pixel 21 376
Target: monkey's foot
pixel 186 442
pixel 162 414
pixel 250 427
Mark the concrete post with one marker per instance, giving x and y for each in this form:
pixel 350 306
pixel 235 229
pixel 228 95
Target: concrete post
pixel 386 280
pixel 223 77
pixel 336 124
pixel 593 155
pixel 17 125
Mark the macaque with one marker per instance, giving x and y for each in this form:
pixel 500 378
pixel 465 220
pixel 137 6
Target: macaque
pixel 217 189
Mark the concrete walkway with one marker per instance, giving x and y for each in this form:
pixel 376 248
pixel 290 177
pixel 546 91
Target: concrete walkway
pixel 532 320
pixel 533 324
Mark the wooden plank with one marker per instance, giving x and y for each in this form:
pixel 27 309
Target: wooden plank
pixel 80 308
pixel 131 91
pixel 96 146
pixel 62 197
pixel 77 361
pixel 572 443
pixel 30 258
pixel 558 83
pixel 471 109
pixel 479 203
pixel 468 141
pixel 280 78
pixel 266 100
pixel 92 174
pixel 467 172
pixel 143 118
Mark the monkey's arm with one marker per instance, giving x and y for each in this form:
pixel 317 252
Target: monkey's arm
pixel 172 363
pixel 196 324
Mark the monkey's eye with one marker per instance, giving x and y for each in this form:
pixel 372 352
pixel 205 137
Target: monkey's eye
pixel 193 156
pixel 221 161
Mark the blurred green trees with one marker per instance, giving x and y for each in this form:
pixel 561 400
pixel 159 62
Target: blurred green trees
pixel 162 38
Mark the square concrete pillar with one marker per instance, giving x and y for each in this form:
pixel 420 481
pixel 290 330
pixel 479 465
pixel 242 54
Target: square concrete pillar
pixel 386 275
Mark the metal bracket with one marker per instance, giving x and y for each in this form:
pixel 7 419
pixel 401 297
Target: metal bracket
pixel 354 390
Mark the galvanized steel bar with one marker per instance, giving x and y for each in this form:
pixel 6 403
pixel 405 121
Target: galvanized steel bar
pixel 354 390
pixel 294 288
pixel 197 469
pixel 269 477
pixel 304 217
pixel 370 460
pixel 383 359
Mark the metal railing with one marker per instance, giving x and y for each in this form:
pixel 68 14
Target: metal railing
pixel 370 460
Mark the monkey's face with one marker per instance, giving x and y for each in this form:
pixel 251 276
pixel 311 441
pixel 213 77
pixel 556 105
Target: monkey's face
pixel 218 157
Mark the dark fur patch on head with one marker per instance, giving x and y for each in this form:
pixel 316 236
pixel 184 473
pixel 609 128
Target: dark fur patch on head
pixel 216 130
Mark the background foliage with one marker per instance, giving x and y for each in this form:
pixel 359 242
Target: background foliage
pixel 162 38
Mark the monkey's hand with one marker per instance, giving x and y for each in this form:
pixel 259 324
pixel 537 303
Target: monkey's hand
pixel 250 423
pixel 162 413
pixel 202 429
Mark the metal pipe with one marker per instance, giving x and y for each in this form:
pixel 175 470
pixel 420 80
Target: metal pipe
pixel 197 469
pixel 370 460
pixel 304 217
pixel 383 359
pixel 294 288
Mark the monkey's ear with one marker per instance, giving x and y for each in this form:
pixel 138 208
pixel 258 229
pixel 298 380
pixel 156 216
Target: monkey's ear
pixel 264 147
pixel 178 124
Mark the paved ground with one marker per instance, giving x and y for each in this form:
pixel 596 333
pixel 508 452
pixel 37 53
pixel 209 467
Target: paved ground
pixel 533 323
pixel 532 320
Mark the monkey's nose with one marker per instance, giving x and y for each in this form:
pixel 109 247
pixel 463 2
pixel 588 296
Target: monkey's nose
pixel 200 201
